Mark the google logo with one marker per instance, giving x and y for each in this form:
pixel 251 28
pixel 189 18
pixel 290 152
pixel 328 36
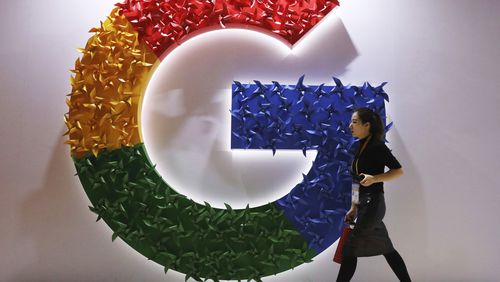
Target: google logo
pixel 140 207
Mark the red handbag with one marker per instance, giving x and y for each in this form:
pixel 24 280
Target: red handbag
pixel 338 253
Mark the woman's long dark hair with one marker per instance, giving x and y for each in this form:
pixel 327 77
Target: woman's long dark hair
pixel 376 125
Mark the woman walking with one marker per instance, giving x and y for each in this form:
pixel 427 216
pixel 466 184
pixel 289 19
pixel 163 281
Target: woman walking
pixel 369 236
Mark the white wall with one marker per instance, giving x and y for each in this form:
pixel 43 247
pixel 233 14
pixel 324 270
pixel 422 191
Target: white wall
pixel 441 59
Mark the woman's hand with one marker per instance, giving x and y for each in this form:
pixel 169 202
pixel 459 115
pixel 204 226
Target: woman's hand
pixel 351 214
pixel 367 179
pixel 389 175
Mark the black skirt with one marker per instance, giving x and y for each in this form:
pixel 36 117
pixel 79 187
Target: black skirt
pixel 369 236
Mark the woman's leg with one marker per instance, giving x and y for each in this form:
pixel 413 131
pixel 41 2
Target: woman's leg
pixel 398 265
pixel 347 268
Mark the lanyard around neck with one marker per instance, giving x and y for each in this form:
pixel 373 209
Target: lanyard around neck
pixel 360 152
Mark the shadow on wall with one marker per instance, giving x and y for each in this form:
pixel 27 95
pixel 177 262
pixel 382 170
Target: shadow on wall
pixel 406 212
pixel 52 218
pixel 325 50
pixel 68 244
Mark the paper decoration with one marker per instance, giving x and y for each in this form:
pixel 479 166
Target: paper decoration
pixel 107 87
pixel 111 77
pixel 297 116
pixel 124 188
pixel 163 23
pixel 204 242
pixel 198 240
pixel 303 117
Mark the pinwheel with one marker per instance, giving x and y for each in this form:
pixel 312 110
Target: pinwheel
pixel 379 90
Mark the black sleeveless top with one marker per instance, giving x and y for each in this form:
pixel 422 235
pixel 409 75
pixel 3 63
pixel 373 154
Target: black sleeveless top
pixel 374 158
